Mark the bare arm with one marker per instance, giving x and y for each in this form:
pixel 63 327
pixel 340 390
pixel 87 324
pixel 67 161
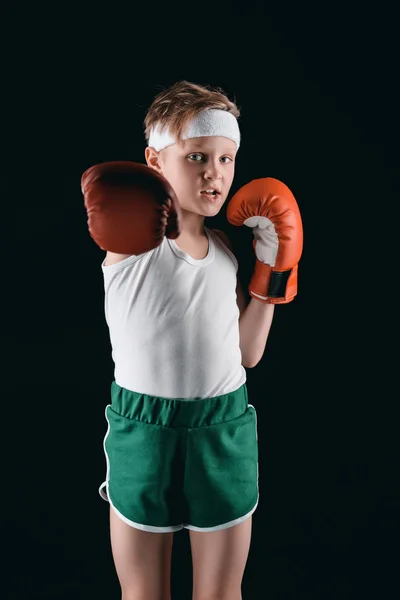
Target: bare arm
pixel 254 326
pixel 254 322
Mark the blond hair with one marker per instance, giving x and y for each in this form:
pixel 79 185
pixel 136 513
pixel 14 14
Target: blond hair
pixel 177 105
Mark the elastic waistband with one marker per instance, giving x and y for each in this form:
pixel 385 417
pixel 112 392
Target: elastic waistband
pixel 171 412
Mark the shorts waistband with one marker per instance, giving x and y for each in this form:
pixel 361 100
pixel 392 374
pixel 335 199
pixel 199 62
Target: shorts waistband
pixel 174 412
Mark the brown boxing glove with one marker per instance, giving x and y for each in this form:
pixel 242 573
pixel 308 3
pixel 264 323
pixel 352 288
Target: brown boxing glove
pixel 130 207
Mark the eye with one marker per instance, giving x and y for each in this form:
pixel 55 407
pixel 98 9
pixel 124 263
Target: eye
pixel 198 157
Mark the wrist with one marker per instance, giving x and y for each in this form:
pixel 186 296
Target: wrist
pixel 273 287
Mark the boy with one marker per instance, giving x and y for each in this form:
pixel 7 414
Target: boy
pixel 181 443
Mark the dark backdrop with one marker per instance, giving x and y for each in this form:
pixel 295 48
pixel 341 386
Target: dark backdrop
pixel 317 90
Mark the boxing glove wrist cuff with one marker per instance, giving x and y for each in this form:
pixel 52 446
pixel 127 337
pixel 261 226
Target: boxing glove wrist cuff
pixel 273 287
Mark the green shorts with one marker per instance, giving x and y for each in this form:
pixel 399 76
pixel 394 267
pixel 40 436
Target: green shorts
pixel 176 463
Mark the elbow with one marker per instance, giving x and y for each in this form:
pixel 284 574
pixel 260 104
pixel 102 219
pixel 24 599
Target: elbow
pixel 250 359
pixel 250 364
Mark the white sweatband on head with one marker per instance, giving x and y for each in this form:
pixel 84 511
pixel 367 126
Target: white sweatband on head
pixel 210 122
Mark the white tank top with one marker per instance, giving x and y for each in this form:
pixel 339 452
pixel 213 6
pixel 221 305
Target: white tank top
pixel 174 322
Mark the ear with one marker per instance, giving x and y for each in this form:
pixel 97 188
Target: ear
pixel 152 158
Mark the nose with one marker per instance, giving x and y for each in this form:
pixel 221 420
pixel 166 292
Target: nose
pixel 213 171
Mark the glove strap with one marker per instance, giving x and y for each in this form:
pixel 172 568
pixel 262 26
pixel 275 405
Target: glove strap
pixel 273 287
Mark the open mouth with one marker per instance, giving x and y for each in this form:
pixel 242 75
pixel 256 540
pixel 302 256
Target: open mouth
pixel 210 193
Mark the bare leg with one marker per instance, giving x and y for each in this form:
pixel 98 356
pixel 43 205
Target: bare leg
pixel 219 560
pixel 142 561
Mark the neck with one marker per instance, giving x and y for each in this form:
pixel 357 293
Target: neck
pixel 192 225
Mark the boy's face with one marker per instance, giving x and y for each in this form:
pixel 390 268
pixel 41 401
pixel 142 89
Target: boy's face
pixel 198 164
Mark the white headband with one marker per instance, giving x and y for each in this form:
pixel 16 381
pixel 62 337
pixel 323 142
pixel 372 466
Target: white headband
pixel 213 122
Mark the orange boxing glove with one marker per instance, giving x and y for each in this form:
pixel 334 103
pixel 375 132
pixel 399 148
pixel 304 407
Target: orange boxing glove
pixel 270 209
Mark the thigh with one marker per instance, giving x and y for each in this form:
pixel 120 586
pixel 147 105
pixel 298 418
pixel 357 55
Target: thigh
pixel 142 560
pixel 219 560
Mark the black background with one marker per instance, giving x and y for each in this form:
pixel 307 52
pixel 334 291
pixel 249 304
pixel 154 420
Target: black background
pixel 317 87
